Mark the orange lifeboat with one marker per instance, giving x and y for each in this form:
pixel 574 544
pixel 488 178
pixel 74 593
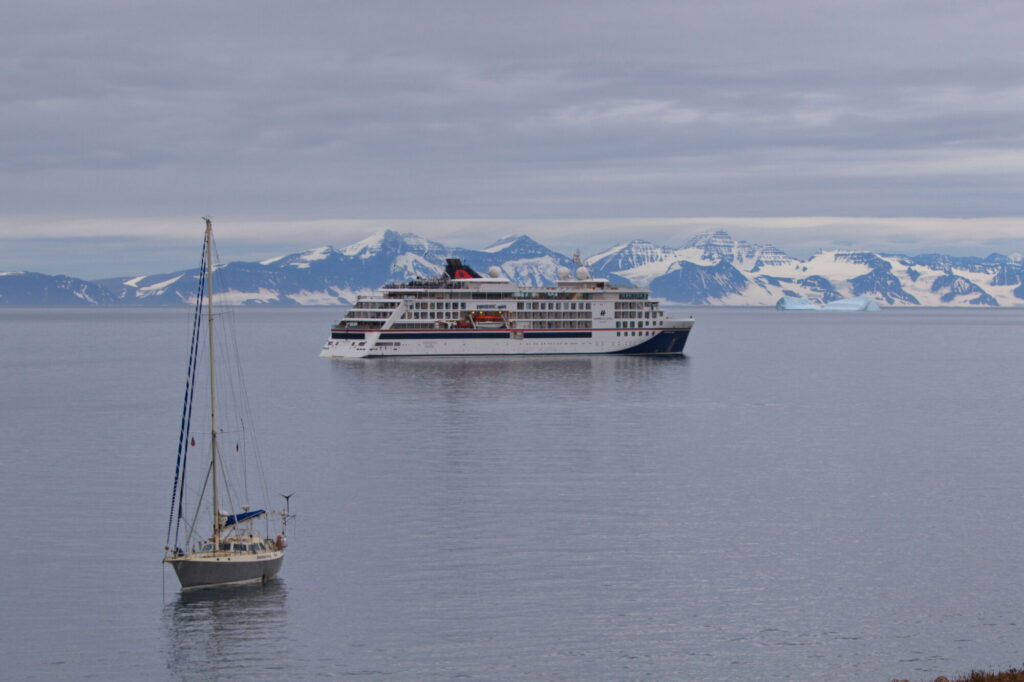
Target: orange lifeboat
pixel 488 320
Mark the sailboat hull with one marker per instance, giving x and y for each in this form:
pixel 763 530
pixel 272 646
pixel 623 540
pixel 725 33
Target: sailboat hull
pixel 206 571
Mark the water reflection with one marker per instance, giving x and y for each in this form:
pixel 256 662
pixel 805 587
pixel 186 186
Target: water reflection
pixel 229 631
pixel 468 374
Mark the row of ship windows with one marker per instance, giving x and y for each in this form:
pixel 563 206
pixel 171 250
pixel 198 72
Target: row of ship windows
pixel 492 296
pixel 552 306
pixel 556 315
pixel 361 315
pixel 376 304
pixel 520 305
pixel 568 312
pixel 440 305
pixel 635 333
pixel 637 315
pixel 638 325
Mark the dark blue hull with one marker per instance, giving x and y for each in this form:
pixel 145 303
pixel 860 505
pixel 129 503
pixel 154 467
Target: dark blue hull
pixel 662 342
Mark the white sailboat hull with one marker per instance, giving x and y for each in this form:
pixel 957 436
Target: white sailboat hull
pixel 205 570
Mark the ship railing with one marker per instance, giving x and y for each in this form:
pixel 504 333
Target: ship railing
pixel 424 284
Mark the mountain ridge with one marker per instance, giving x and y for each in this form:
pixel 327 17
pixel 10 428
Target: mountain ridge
pixel 709 268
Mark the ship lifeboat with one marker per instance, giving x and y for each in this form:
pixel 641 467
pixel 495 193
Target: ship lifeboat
pixel 488 321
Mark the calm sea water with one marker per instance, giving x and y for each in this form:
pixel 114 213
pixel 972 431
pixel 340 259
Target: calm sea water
pixel 802 497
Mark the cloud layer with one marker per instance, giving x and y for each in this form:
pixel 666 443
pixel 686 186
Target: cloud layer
pixel 571 110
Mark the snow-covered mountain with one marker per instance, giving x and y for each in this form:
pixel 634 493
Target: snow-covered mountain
pixel 328 276
pixel 710 268
pixel 519 258
pixel 714 268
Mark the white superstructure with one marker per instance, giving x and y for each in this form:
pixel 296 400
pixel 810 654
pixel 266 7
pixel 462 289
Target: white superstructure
pixel 462 313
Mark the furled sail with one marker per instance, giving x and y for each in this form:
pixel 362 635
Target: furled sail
pixel 244 516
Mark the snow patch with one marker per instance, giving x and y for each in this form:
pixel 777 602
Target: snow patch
pixel 315 298
pixel 503 243
pixel 235 297
pixel 155 288
pixel 367 246
pixel 331 296
pixel 538 271
pixel 316 254
pixel 415 265
pixel 605 254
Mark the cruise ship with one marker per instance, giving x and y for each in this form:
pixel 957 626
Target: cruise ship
pixel 464 313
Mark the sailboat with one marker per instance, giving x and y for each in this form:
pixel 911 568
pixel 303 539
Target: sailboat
pixel 234 551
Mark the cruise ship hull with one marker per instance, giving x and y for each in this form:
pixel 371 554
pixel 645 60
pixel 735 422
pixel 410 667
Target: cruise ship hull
pixel 403 343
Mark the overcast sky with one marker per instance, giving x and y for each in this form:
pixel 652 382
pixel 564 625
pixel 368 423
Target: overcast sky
pixel 579 123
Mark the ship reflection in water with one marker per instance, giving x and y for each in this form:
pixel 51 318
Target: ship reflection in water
pixel 227 632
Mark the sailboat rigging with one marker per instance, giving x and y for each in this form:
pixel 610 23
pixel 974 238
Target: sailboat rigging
pixel 235 551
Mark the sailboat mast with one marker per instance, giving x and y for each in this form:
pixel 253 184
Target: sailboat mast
pixel 213 399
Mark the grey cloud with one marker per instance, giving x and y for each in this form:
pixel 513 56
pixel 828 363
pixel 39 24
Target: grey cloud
pixel 486 109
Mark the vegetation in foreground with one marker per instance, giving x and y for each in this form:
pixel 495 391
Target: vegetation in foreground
pixel 1012 675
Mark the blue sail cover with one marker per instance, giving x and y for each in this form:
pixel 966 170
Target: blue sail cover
pixel 244 516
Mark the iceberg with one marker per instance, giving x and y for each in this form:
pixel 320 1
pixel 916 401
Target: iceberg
pixel 858 304
pixel 794 303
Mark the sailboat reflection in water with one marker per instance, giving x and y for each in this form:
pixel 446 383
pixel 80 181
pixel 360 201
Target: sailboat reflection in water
pixel 231 632
pixel 234 551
